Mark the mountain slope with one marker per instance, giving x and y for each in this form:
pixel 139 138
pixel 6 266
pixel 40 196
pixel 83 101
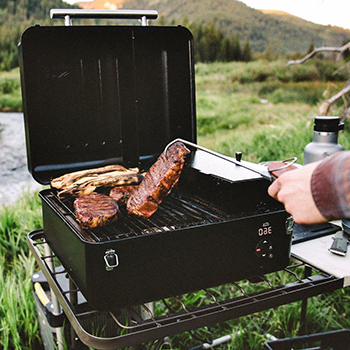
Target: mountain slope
pixel 264 29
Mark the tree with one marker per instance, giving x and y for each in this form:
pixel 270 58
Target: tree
pixel 225 50
pixel 211 42
pixel 15 17
pixel 236 54
pixel 247 53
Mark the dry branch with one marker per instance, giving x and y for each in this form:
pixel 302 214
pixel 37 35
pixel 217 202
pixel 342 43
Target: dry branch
pixel 326 105
pixel 340 49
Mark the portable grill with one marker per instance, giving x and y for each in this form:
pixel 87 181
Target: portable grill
pixel 98 95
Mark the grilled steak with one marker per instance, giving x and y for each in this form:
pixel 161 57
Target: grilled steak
pixel 95 210
pixel 121 194
pixel 158 182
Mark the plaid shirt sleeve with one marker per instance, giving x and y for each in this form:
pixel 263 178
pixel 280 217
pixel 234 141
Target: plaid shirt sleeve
pixel 330 186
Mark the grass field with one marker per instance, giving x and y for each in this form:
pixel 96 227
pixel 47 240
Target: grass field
pixel 267 116
pixel 10 91
pixel 264 120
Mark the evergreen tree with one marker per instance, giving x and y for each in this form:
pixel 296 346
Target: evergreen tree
pixel 236 54
pixel 198 34
pixel 246 54
pixel 15 17
pixel 211 42
pixel 226 50
pixel 220 54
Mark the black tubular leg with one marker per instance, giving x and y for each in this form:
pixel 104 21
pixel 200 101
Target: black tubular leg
pixel 307 273
pixel 73 296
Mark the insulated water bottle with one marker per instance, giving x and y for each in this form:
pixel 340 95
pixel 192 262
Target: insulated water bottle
pixel 324 144
pixel 325 139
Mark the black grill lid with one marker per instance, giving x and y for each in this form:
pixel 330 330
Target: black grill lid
pixel 98 95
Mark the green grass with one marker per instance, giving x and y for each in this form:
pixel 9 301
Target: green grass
pixel 18 323
pixel 324 313
pixel 10 91
pixel 262 109
pixel 265 120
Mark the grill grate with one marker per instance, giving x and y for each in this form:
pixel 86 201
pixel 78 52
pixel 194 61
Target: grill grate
pixel 177 211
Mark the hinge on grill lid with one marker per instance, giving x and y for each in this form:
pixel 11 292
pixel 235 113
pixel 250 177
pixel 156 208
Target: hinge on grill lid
pixel 111 259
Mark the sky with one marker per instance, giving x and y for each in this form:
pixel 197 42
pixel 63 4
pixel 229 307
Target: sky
pixel 333 12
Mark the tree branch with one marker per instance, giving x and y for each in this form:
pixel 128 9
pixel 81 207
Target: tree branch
pixel 326 105
pixel 341 50
pixel 346 65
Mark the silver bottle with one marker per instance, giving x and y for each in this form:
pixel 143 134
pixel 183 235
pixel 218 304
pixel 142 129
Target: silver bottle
pixel 325 139
pixel 324 144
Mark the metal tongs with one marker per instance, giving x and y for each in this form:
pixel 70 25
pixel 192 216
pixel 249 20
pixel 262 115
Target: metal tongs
pixel 270 172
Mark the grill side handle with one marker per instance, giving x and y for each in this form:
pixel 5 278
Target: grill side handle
pixel 68 14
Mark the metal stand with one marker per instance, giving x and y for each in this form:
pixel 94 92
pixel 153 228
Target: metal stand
pixel 307 273
pixel 140 330
pixel 56 306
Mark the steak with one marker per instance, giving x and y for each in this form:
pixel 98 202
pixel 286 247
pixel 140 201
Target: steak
pixel 158 182
pixel 95 209
pixel 121 194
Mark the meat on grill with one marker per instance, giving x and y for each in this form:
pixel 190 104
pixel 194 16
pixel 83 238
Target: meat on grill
pixel 95 209
pixel 121 194
pixel 158 182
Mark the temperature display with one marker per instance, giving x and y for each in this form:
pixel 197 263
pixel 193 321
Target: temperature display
pixel 265 230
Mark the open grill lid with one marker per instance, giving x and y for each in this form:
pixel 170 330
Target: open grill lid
pixel 98 95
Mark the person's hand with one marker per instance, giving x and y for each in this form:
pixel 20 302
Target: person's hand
pixel 293 189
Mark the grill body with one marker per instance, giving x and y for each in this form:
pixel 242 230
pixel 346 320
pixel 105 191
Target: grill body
pixel 102 95
pixel 209 231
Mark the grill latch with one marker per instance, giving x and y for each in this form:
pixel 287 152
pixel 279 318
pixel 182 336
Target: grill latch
pixel 289 225
pixel 111 259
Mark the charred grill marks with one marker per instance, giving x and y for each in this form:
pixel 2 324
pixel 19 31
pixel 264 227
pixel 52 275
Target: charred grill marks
pixel 96 210
pixel 158 182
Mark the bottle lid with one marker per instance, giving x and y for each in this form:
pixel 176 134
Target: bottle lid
pixel 328 124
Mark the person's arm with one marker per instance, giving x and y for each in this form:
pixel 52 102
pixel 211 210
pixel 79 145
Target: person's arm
pixel 317 192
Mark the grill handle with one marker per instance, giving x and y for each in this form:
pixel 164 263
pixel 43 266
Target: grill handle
pixel 269 174
pixel 68 14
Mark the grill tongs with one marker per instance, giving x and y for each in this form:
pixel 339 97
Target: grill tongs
pixel 270 172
